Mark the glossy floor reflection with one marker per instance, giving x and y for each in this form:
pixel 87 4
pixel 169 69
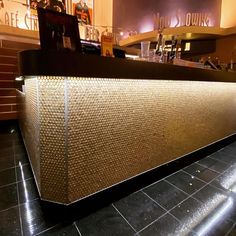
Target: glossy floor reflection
pixel 199 199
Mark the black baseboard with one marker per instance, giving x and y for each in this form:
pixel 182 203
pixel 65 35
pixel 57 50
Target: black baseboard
pixel 91 204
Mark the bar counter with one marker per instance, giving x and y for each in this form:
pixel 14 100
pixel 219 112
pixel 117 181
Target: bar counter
pixel 91 122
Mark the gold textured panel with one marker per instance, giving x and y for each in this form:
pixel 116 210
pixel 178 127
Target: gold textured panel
pixel 94 133
pixel 53 154
pixel 29 124
pixel 120 128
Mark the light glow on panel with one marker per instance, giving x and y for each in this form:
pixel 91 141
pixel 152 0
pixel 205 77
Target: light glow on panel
pixel 20 78
pixel 187 46
pixel 146 27
pixel 228 9
pixel 129 56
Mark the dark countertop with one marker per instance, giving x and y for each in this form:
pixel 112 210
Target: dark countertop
pixel 38 62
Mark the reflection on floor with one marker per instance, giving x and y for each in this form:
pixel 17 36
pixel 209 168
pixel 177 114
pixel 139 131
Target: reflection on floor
pixel 197 200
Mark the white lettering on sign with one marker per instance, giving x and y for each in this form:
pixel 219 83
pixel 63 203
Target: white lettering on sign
pixel 181 19
pixel 20 17
pixel 11 19
pixel 31 23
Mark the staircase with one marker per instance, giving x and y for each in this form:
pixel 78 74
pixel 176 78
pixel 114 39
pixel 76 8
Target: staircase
pixel 8 72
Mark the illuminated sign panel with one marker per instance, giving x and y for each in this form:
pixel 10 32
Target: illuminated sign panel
pixel 17 14
pixel 147 15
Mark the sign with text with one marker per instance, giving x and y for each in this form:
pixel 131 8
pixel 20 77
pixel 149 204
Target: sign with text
pixel 147 15
pixel 23 13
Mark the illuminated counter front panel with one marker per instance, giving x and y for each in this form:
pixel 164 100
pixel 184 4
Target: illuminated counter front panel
pixel 85 134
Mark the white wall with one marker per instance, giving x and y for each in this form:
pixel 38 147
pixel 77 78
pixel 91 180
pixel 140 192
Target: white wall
pixel 228 11
pixel 103 13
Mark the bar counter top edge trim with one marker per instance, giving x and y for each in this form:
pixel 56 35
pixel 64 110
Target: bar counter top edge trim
pixel 73 64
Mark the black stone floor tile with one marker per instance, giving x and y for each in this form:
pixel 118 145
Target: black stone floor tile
pixel 221 206
pixel 219 156
pixel 139 210
pixel 231 202
pixel 210 195
pixel 201 172
pixel 226 181
pixel 8 127
pixel 8 197
pixel 6 142
pixel 228 151
pixel 21 159
pixel 62 230
pixel 24 172
pixel 7 152
pixel 27 191
pixel 221 215
pixel 165 194
pixel 10 222
pixel 185 182
pixel 232 232
pixel 6 162
pixel 232 145
pixel 213 217
pixel 214 227
pixel 213 164
pixel 104 222
pixel 166 225
pixel 7 177
pixel 189 213
pixel 19 150
pixel 33 219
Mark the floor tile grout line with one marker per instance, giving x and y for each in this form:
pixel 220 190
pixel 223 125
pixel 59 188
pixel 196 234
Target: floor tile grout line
pixel 43 231
pixel 8 208
pixel 151 184
pixel 169 211
pixel 21 204
pixel 215 159
pixel 166 210
pixel 189 195
pixel 167 181
pixel 207 167
pixel 15 166
pixel 229 150
pixel 154 201
pixel 199 178
pixel 9 168
pixel 229 153
pixel 229 231
pixel 7 185
pixel 17 189
pixel 123 217
pixel 219 160
pixel 233 156
pixel 172 174
pixel 206 184
pixel 77 228
pixel 153 222
pixel 209 183
pixel 196 162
